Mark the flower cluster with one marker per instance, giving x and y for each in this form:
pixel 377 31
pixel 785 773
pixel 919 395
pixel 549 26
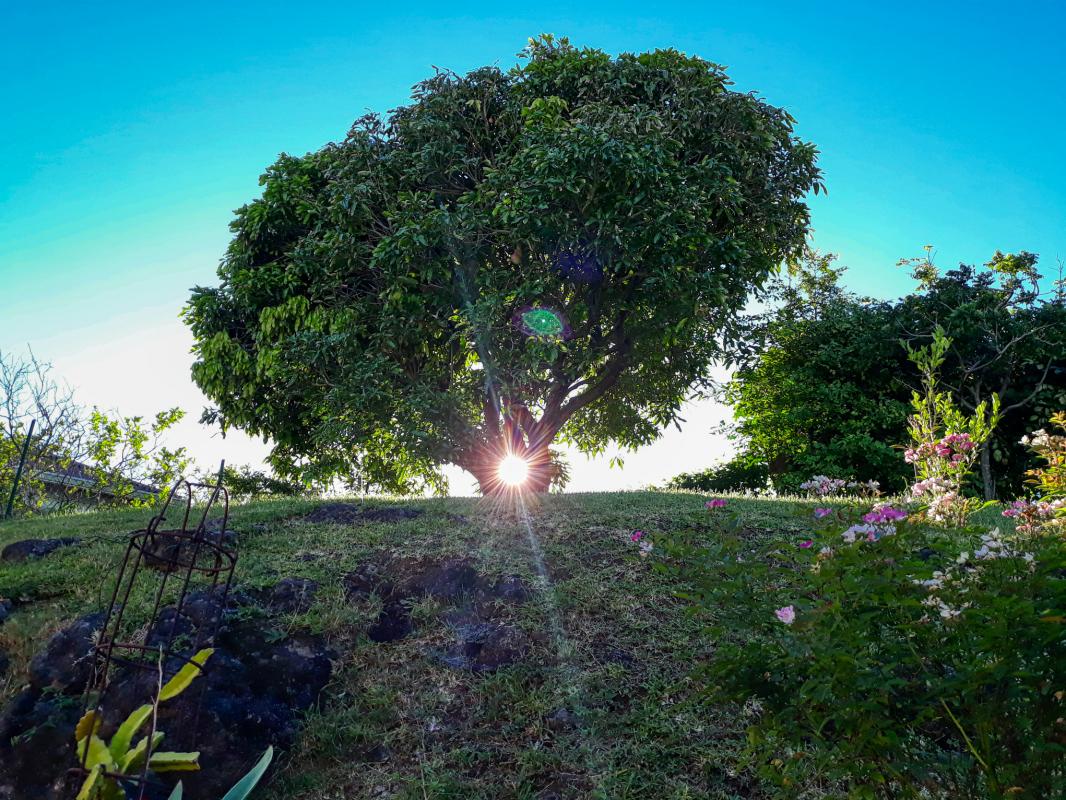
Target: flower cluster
pixel 967 569
pixel 1033 514
pixel 867 531
pixel 882 514
pixel 823 486
pixel 955 447
pixel 637 537
pixel 715 503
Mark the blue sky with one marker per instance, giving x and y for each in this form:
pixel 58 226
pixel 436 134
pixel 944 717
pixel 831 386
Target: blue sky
pixel 131 132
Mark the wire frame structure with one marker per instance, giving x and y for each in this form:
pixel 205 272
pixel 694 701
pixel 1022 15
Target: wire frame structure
pixel 178 570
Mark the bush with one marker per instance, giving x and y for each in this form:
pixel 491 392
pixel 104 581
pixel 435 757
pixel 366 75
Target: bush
pixel 739 475
pixel 894 665
pixel 884 658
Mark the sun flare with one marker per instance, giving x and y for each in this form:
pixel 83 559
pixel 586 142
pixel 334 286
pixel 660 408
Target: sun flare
pixel 513 470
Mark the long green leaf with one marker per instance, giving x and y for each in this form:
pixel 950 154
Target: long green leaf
pixel 244 786
pixel 176 794
pixel 174 762
pixel 90 783
pixel 93 752
pixel 120 742
pixel 135 757
pixel 184 676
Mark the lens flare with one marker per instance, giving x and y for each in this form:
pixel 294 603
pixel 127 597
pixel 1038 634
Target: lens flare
pixel 513 470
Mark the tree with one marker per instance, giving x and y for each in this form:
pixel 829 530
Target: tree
pixel 825 385
pixel 1007 338
pixel 824 389
pixel 554 252
pixel 91 456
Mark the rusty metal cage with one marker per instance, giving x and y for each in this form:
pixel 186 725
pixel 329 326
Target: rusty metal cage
pixel 163 569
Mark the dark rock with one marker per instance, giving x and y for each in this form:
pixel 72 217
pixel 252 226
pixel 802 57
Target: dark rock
pixel 36 746
pixel 65 664
pixel 366 580
pixel 451 579
pixel 354 513
pixel 483 646
pixel 32 549
pixel 378 754
pixel 253 691
pixel 6 607
pixel 394 622
pixel 172 550
pixel 292 595
pixel 511 588
pixel 926 553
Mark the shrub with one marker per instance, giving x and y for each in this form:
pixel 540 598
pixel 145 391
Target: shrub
pixel 742 474
pixel 880 656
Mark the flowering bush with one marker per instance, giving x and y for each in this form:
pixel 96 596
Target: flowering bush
pixel 945 443
pixel 824 486
pixel 884 657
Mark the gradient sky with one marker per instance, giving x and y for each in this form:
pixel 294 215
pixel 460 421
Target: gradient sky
pixel 131 132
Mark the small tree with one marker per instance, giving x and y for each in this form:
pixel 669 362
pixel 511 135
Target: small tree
pixel 111 451
pixel 557 251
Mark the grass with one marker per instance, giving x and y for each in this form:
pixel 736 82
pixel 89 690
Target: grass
pixel 602 707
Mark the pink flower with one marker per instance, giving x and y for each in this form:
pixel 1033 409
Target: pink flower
pixel 715 503
pixel 884 514
pixel 787 614
pixel 806 543
pixel 636 536
pixel 820 513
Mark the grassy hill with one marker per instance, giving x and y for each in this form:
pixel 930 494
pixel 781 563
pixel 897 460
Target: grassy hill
pixel 598 704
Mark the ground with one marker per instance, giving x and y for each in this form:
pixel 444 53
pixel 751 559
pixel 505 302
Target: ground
pixel 594 698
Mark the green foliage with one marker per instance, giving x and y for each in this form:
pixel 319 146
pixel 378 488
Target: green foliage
pixel 107 762
pixel 245 785
pixel 824 387
pixel 244 483
pixel 926 663
pixel 363 319
pixel 944 441
pixel 77 456
pixel 743 473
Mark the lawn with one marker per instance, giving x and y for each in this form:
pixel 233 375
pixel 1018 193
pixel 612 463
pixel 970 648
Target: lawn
pixel 600 705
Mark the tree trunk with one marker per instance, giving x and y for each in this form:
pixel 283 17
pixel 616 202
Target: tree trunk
pixel 485 463
pixel 988 481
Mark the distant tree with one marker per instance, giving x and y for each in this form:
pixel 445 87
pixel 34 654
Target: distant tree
pixel 825 386
pixel 619 210
pixel 825 391
pixel 1008 338
pixel 93 456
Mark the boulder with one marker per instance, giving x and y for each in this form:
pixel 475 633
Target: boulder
pixel 32 549
pixel 65 664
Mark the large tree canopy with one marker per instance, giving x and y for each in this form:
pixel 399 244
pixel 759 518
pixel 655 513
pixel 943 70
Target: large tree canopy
pixel 366 317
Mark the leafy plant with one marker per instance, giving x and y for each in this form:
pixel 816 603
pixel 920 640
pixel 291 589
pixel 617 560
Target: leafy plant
pixel 245 785
pixel 945 442
pixel 876 656
pixel 109 763
pixel 373 304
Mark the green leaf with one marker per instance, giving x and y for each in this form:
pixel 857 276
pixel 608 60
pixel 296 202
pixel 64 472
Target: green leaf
pixel 135 756
pixel 174 762
pixel 244 786
pixel 176 794
pixel 120 742
pixel 87 725
pixel 89 785
pixel 98 754
pixel 185 676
